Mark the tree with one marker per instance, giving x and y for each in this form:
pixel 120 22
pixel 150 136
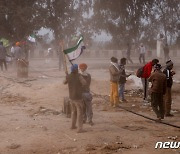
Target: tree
pixel 136 20
pixel 16 17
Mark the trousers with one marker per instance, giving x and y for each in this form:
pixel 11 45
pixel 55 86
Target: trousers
pixel 121 91
pixel 145 84
pixel 114 97
pixel 167 101
pixel 157 104
pixel 87 112
pixel 77 114
pixel 3 61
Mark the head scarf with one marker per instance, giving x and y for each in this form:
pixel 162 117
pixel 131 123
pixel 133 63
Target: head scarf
pixel 169 63
pixel 74 67
pixel 157 66
pixel 83 66
pixel 17 43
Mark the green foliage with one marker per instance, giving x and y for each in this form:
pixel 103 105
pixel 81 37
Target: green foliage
pixel 125 20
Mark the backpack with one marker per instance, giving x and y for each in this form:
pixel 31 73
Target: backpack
pixel 139 72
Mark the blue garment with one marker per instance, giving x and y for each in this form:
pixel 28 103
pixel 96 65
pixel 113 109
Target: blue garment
pixel 74 67
pixel 122 78
pixel 88 112
pixel 121 91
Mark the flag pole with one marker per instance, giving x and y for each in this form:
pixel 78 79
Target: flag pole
pixel 64 57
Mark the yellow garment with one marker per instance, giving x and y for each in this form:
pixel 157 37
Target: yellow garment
pixel 114 97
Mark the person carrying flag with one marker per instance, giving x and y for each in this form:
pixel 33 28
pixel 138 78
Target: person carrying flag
pixel 76 83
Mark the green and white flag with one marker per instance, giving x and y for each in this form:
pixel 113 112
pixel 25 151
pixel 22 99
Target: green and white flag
pixel 32 38
pixel 74 52
pixel 5 42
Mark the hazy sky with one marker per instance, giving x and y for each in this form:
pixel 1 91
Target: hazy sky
pixel 102 37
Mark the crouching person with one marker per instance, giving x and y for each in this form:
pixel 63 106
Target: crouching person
pixel 158 89
pixel 75 84
pixel 87 96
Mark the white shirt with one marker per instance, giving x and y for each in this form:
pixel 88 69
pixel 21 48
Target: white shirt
pixel 12 50
pixel 142 49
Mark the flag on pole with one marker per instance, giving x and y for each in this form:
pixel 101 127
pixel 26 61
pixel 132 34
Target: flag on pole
pixel 32 38
pixel 74 52
pixel 5 42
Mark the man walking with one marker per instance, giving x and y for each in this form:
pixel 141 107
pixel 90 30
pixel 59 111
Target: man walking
pixel 114 79
pixel 142 51
pixel 87 96
pixel 147 69
pixel 168 99
pixel 75 84
pixel 158 89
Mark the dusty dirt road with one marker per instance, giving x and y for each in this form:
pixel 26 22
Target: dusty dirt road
pixel 32 121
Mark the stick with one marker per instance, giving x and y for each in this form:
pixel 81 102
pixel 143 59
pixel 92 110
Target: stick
pixel 64 57
pixel 70 137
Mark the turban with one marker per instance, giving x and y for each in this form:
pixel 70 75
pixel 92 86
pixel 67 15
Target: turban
pixel 17 43
pixel 114 59
pixel 83 66
pixel 74 67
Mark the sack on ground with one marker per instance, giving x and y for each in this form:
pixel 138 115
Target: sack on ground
pixel 66 108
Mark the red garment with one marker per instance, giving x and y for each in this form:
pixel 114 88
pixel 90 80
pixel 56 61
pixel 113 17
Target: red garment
pixel 147 70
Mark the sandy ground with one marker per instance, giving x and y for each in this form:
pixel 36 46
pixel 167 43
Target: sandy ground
pixel 32 121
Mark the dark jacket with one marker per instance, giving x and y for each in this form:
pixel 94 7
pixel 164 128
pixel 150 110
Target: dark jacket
pixel 75 83
pixel 158 80
pixel 122 77
pixel 169 75
pixel 3 52
pixel 88 82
